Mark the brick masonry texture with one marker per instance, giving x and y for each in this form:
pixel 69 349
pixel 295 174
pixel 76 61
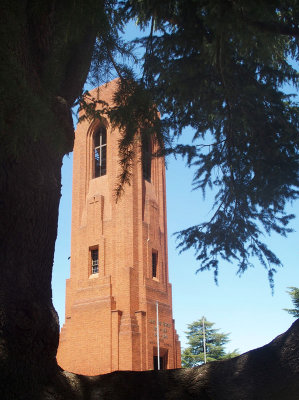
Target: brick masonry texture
pixel 110 316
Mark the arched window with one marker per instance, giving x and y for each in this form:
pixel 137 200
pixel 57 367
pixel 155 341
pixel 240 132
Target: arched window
pixel 100 151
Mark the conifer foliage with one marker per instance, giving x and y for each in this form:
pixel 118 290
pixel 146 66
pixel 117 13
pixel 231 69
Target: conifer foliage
pixel 294 293
pixel 215 342
pixel 219 67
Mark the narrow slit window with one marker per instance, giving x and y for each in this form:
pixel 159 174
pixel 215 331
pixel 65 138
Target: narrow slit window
pixel 94 261
pixel 154 263
pixel 100 152
pixel 146 159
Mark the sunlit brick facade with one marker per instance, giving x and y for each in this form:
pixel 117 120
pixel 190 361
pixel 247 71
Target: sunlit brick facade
pixel 119 263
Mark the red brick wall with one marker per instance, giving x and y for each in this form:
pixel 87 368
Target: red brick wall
pixel 111 316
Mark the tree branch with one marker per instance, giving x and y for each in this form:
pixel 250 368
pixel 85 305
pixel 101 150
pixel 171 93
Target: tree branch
pixel 271 27
pixel 270 372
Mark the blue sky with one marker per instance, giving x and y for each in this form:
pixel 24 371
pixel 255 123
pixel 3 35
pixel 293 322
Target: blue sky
pixel 243 307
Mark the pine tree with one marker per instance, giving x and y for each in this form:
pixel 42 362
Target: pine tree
pixel 215 342
pixel 294 293
pixel 218 67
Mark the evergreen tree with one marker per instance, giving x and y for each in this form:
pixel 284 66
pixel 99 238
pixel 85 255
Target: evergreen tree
pixel 219 67
pixel 294 293
pixel 215 342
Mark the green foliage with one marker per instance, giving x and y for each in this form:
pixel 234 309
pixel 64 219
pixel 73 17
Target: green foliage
pixel 220 68
pixel 294 293
pixel 193 355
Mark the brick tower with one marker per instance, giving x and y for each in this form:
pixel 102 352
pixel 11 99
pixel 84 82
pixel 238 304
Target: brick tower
pixel 119 264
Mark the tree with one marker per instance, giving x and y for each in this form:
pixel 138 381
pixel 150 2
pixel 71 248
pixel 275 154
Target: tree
pixel 294 293
pixel 212 65
pixel 201 335
pixel 229 61
pixel 45 56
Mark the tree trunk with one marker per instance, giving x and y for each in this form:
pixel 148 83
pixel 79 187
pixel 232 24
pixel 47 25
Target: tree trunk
pixel 30 188
pixel 45 54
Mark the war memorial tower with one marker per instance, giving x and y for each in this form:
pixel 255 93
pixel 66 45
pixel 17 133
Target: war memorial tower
pixel 119 262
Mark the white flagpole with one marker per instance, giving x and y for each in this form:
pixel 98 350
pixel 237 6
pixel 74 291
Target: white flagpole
pixel 204 340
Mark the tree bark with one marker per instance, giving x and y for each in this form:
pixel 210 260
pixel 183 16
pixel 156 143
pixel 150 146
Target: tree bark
pixel 29 209
pixel 267 373
pixel 45 53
